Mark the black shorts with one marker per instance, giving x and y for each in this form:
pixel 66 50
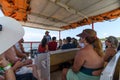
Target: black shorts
pixel 27 76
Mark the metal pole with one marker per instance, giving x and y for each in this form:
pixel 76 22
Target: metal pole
pixel 59 34
pixel 93 25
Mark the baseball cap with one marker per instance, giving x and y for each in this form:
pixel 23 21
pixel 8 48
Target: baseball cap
pixel 11 31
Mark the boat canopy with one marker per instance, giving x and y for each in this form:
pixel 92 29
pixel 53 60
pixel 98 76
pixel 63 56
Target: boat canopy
pixel 60 14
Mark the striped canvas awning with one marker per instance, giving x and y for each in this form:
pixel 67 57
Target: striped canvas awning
pixel 60 14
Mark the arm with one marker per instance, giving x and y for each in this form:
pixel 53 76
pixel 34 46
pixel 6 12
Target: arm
pixel 9 74
pixel 78 62
pixel 97 73
pixel 46 47
pixel 20 54
pixel 107 54
pixel 22 48
pixel 20 64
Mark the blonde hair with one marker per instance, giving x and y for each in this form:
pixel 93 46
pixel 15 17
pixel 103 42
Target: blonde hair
pixel 91 38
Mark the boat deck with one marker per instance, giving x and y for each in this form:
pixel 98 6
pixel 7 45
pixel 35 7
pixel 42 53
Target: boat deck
pixel 56 75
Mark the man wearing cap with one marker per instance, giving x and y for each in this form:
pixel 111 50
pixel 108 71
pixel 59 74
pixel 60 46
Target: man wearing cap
pixel 10 34
pixel 47 36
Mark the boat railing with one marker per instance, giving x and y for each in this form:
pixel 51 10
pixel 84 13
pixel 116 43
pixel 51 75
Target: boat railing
pixel 31 46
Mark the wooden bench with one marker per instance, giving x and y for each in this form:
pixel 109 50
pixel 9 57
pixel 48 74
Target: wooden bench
pixel 60 56
pixel 54 58
pixel 112 70
pixel 47 62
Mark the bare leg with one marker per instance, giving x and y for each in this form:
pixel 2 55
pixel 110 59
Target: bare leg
pixel 64 73
pixel 35 73
pixel 34 70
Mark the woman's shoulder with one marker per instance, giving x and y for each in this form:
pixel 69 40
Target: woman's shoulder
pixel 82 51
pixel 86 51
pixel 110 51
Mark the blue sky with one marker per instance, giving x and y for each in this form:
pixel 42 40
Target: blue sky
pixel 103 29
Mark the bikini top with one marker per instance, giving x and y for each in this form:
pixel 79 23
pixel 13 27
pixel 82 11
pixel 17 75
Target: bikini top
pixel 89 71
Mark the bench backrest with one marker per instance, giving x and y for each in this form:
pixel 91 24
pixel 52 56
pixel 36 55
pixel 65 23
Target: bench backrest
pixel 42 61
pixel 61 56
pixel 109 71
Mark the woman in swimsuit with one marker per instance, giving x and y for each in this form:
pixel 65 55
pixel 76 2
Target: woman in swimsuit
pixel 111 50
pixel 88 62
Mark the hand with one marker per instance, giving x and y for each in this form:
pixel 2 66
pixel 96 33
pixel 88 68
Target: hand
pixel 24 56
pixel 17 65
pixel 27 62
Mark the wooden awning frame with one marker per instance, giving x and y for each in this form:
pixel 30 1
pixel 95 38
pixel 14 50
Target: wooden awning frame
pixel 19 9
pixel 93 19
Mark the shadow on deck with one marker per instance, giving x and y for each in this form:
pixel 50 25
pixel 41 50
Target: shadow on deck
pixel 56 75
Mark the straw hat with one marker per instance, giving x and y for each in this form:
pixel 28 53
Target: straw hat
pixel 11 32
pixel 113 40
pixel 87 32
